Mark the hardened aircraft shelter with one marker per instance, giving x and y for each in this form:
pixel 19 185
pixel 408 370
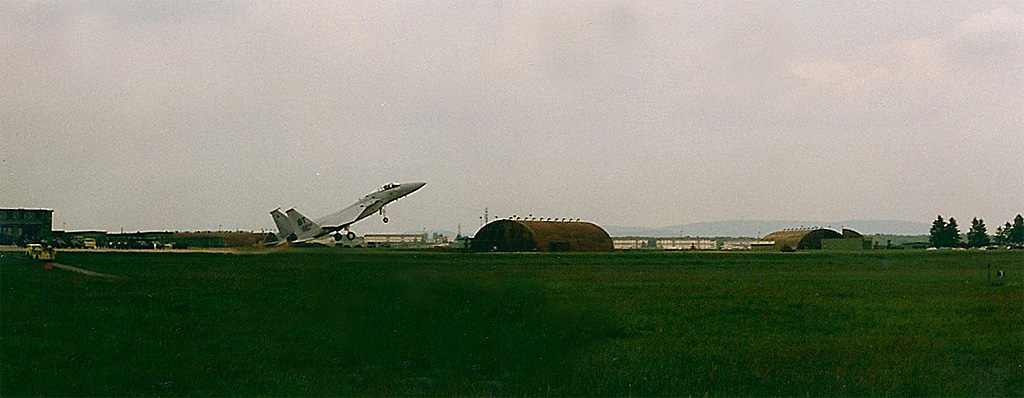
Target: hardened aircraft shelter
pixel 813 239
pixel 553 236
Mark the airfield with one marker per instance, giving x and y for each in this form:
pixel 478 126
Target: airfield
pixel 318 321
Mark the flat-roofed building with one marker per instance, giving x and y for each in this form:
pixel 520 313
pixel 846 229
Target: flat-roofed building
pixel 394 239
pixel 23 225
pixel 737 244
pixel 685 244
pixel 631 243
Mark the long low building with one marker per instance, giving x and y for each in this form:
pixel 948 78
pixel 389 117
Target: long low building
pixel 631 243
pixel 645 243
pixel 383 240
pixel 737 244
pixel 685 244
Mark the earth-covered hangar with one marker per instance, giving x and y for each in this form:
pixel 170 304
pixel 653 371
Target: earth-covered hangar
pixel 813 239
pixel 553 236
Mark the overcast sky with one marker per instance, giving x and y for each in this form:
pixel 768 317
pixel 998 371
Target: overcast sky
pixel 177 115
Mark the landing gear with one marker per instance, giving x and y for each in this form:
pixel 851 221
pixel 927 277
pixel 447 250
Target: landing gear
pixel 350 236
pixel 383 213
pixel 385 220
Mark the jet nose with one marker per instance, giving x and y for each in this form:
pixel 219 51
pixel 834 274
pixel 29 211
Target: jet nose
pixel 413 186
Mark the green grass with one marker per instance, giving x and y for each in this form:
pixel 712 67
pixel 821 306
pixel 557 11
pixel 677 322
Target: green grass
pixel 342 323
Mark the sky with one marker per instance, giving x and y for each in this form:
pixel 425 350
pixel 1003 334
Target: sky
pixel 182 115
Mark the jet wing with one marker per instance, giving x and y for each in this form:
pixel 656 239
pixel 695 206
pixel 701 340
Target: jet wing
pixel 358 211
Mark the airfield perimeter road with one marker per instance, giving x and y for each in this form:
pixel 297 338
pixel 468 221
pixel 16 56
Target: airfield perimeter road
pixel 83 271
pixel 225 250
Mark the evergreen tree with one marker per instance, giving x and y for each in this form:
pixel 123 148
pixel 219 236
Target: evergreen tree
pixel 952 233
pixel 936 237
pixel 1017 233
pixel 978 235
pixel 1003 234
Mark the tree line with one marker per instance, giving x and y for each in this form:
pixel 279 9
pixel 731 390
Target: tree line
pixel 947 234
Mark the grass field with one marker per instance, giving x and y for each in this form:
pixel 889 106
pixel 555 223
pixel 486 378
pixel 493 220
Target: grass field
pixel 327 322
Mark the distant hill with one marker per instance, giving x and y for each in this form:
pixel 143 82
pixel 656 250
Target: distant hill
pixel 758 228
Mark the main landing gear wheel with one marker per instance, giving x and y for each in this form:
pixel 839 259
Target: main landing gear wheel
pixel 350 235
pixel 385 220
pixel 337 237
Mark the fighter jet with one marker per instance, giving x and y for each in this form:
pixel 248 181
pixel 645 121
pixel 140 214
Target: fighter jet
pixel 295 228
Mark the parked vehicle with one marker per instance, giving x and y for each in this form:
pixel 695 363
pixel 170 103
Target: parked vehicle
pixel 80 242
pixel 38 252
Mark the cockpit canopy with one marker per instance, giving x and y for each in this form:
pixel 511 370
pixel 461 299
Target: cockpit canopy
pixel 385 187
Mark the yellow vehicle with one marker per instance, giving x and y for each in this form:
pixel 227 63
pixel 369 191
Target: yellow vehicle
pixel 83 242
pixel 38 252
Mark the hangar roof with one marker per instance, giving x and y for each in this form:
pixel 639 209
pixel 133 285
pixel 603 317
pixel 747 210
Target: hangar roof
pixel 801 238
pixel 513 235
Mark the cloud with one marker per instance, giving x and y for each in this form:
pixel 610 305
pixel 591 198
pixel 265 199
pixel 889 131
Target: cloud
pixel 909 64
pixel 833 74
pixel 992 41
pixel 576 108
pixel 1001 24
pixel 987 46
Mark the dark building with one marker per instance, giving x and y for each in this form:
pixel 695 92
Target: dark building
pixel 20 226
pixel 814 239
pixel 851 240
pixel 801 239
pixel 527 236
